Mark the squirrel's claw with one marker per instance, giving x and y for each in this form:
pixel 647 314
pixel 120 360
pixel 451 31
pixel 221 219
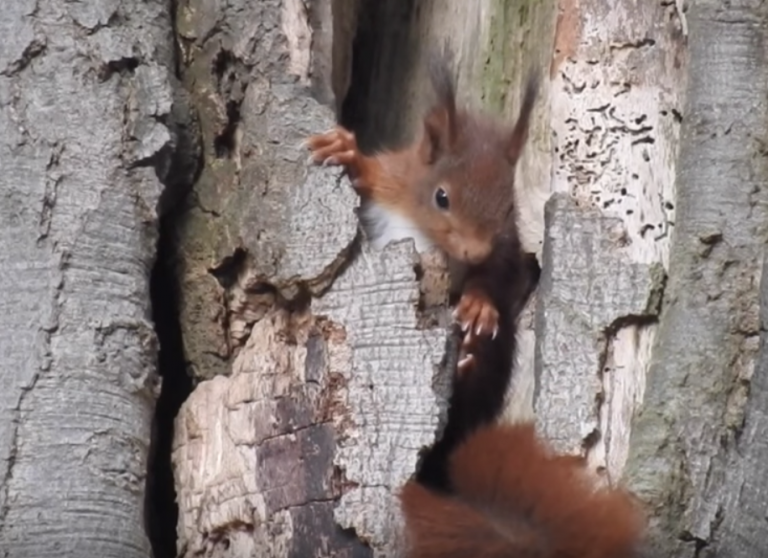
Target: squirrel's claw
pixel 477 313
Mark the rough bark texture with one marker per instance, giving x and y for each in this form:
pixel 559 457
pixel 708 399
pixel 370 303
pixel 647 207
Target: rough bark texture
pixel 307 342
pixel 84 103
pixel 698 450
pixel 263 455
pixel 590 287
pixel 330 401
pixel 258 454
pixel 495 44
pixel 617 72
pixel 743 528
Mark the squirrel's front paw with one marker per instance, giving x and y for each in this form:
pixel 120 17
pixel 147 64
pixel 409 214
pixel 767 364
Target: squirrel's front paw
pixel 336 147
pixel 477 314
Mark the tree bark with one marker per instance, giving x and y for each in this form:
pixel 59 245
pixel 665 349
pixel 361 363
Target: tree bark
pixel 320 365
pixel 305 342
pixel 84 103
pixel 697 441
pixel 617 72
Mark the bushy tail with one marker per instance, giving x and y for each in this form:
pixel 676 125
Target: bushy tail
pixel 513 498
pixel 478 395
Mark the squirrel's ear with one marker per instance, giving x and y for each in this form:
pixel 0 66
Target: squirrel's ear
pixel 440 122
pixel 438 137
pixel 519 134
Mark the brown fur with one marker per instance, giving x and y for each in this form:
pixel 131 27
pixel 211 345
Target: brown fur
pixel 466 153
pixel 513 498
pixel 473 159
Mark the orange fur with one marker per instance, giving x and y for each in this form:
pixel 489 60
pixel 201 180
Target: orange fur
pixel 515 499
pixel 467 155
pixel 385 177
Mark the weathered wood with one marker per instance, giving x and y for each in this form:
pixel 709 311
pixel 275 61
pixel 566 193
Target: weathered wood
pixel 254 451
pixel 316 390
pixel 325 404
pixel 685 453
pixel 391 407
pixel 590 287
pixel 84 106
pixel 616 76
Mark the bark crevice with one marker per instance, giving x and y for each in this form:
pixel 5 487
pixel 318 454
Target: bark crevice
pixel 183 162
pixel 161 509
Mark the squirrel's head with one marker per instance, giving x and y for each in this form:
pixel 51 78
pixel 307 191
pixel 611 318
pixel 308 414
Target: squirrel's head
pixel 467 197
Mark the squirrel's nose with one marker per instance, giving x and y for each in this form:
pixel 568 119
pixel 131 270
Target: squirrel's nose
pixel 473 257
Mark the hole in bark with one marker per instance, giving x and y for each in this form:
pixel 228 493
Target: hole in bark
pixel 223 61
pixel 161 510
pixel 224 143
pixel 590 440
pixel 227 271
pixel 121 66
pixel 228 69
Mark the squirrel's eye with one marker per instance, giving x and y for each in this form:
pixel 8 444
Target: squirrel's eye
pixel 441 199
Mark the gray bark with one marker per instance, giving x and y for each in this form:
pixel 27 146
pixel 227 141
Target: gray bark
pixel 590 289
pixel 84 92
pixel 255 446
pixel 305 343
pixel 304 340
pixel 618 69
pixel 697 450
pixel 743 530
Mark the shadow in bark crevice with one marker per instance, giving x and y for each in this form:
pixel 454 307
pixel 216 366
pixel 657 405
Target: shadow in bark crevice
pixel 385 52
pixel 161 510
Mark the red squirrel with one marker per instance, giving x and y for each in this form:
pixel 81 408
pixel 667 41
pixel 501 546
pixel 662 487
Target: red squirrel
pixel 452 187
pixel 512 498
pixel 482 490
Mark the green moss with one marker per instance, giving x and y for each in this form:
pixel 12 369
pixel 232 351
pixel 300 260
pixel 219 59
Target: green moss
pixel 518 31
pixel 496 81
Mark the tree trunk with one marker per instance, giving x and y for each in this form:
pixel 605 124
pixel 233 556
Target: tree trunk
pixel 698 451
pixel 303 371
pixel 322 360
pixel 84 101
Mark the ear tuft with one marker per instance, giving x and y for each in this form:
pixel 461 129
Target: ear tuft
pixel 519 134
pixel 437 140
pixel 440 122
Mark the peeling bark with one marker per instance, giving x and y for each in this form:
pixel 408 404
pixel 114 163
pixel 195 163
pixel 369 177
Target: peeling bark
pixel 323 382
pixel 284 312
pixel 617 73
pixel 593 292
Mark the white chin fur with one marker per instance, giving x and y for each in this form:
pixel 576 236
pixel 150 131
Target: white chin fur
pixel 383 226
